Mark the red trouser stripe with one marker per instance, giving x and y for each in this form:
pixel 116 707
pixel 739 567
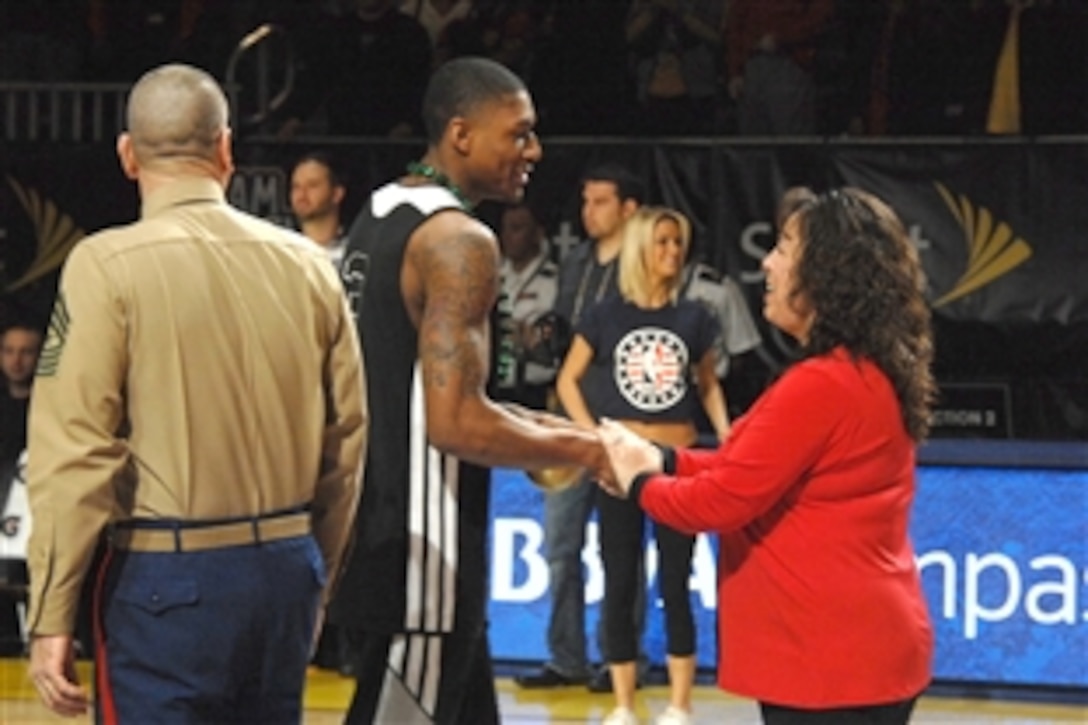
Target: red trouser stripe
pixel 106 706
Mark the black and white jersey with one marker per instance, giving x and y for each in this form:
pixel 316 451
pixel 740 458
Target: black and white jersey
pixel 418 563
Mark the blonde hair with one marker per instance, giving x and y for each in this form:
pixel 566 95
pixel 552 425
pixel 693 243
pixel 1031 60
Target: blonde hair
pixel 638 237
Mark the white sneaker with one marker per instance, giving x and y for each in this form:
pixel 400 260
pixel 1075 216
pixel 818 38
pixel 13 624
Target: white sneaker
pixel 620 716
pixel 674 716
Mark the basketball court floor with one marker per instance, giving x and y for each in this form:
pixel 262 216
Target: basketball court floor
pixel 328 693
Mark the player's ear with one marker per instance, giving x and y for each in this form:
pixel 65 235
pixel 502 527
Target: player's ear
pixel 459 131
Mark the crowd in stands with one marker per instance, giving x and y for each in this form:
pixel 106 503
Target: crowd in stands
pixel 621 67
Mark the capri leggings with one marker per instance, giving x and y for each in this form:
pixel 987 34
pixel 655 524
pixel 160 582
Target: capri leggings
pixel 621 527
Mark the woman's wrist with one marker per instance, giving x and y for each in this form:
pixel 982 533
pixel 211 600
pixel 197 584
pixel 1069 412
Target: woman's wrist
pixel 637 484
pixel 668 458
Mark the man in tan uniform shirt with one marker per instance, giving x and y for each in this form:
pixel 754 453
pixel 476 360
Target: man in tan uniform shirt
pixel 200 399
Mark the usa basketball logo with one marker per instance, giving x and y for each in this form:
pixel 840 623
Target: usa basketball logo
pixel 650 368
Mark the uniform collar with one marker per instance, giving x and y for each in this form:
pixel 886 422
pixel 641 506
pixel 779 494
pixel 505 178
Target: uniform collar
pixel 181 191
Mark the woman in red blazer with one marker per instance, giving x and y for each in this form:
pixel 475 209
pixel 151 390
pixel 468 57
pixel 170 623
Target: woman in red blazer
pixel 821 613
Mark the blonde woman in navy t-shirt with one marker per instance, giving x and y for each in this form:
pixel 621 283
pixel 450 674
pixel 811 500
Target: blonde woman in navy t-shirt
pixel 657 357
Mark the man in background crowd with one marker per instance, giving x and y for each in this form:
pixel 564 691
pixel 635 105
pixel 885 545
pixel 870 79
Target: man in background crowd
pixel 19 348
pixel 588 275
pixel 723 297
pixel 529 286
pixel 317 191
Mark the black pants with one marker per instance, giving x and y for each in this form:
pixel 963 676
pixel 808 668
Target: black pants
pixel 621 524
pixel 895 713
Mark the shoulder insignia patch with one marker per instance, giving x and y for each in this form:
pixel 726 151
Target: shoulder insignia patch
pixel 59 322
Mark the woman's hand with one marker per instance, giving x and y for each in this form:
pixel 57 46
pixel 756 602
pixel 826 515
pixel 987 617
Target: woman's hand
pixel 629 455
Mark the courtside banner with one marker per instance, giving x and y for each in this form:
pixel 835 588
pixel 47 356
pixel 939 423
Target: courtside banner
pixel 1003 554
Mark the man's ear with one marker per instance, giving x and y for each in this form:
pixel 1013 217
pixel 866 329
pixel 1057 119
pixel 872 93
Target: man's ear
pixel 630 206
pixel 224 155
pixel 126 154
pixel 338 194
pixel 460 132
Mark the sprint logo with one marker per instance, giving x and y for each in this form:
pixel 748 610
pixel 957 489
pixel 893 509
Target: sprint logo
pixel 993 249
pixel 55 234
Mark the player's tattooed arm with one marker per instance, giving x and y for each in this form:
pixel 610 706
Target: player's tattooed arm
pixel 457 265
pixel 460 284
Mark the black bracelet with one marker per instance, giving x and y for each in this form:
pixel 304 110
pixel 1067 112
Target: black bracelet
pixel 637 484
pixel 668 459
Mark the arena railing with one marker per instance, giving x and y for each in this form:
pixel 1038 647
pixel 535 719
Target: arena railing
pixel 259 77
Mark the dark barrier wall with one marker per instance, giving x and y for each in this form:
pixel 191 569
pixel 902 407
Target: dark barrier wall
pixel 1000 228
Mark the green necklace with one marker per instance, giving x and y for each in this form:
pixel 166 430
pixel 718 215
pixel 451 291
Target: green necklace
pixel 418 168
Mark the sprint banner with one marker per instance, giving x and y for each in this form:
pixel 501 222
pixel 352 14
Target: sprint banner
pixel 999 227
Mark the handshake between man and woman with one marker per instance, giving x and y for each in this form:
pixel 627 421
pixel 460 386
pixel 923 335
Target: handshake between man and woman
pixel 626 456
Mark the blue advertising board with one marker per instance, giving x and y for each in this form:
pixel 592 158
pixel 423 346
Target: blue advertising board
pixel 1003 553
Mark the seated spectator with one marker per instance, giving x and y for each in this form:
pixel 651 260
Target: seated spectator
pixel 934 87
pixel 443 20
pixel 771 46
pixel 365 72
pixel 129 37
pixel 676 45
pixel 41 40
pixel 580 78
pixel 510 32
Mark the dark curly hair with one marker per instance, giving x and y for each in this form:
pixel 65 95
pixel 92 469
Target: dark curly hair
pixel 863 278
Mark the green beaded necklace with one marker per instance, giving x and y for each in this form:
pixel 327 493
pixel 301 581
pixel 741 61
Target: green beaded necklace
pixel 418 168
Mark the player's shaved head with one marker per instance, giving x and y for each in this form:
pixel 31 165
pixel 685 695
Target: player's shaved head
pixel 176 112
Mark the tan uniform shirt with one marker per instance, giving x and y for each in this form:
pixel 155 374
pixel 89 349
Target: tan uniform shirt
pixel 200 363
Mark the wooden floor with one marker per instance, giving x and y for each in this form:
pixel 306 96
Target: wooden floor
pixel 327 696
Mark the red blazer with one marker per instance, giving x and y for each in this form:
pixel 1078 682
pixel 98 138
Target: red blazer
pixel 820 603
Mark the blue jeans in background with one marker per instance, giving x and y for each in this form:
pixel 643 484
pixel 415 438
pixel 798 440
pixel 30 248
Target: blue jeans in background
pixel 566 514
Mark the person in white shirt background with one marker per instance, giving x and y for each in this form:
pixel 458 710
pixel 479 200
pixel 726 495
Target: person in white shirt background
pixel 530 283
pixel 317 191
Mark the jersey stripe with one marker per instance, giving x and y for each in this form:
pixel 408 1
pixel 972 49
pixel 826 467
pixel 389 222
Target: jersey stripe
pixel 432 526
pixel 410 693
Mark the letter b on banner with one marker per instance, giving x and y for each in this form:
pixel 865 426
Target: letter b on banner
pixel 519 570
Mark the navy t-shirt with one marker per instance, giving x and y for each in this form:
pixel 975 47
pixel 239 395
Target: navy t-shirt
pixel 644 358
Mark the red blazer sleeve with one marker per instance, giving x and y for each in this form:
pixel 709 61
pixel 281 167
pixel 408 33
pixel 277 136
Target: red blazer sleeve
pixel 769 451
